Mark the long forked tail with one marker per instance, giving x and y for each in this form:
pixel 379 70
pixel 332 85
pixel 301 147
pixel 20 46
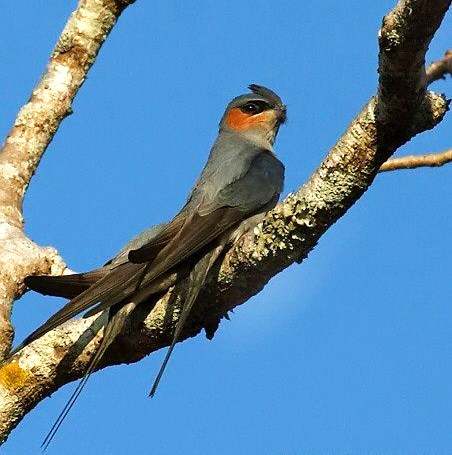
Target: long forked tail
pixel 100 290
pixel 114 325
pixel 197 279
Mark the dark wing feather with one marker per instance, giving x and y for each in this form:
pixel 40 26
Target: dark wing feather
pixel 156 237
pixel 250 194
pixel 156 245
pixel 136 242
pixel 224 205
pixel 86 289
pixel 117 278
pixel 68 286
pixel 197 232
pixel 234 201
pixel 262 182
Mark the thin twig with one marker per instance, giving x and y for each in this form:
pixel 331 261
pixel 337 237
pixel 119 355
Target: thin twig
pixel 414 161
pixel 439 69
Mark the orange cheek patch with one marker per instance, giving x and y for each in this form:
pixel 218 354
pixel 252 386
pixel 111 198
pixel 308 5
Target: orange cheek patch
pixel 240 121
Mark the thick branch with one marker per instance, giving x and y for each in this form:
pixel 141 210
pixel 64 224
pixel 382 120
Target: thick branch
pixel 414 161
pixel 50 102
pixel 404 39
pixel 436 70
pixel 33 130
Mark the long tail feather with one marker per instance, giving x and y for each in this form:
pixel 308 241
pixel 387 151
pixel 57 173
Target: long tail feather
pixel 197 279
pixel 97 292
pixel 113 327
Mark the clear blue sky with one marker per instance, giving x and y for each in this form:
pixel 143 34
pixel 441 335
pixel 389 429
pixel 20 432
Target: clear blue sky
pixel 350 352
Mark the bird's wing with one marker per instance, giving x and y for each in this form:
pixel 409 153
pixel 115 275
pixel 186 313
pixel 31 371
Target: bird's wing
pixel 85 289
pixel 67 286
pixel 192 229
pixel 263 180
pixel 190 235
pixel 196 232
pixel 146 237
pixel 234 201
pixel 120 276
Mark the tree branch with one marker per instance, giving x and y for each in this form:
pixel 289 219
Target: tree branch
pixel 33 130
pixel 402 109
pixel 438 70
pixel 51 100
pixel 414 161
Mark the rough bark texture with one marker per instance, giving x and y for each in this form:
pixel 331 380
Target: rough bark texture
pixel 436 70
pixel 33 130
pixel 401 109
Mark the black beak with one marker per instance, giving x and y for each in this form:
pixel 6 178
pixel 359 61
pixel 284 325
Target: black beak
pixel 282 114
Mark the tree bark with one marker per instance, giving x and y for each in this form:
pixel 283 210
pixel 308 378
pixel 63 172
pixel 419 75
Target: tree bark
pixel 436 70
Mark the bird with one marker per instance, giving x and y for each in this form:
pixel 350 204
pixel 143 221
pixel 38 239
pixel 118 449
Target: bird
pixel 241 181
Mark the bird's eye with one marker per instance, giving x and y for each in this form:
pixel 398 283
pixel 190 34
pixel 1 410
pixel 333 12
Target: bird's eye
pixel 252 107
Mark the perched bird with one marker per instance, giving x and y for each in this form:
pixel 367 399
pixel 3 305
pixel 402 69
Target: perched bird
pixel 240 182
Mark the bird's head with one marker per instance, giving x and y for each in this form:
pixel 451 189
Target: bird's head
pixel 259 113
